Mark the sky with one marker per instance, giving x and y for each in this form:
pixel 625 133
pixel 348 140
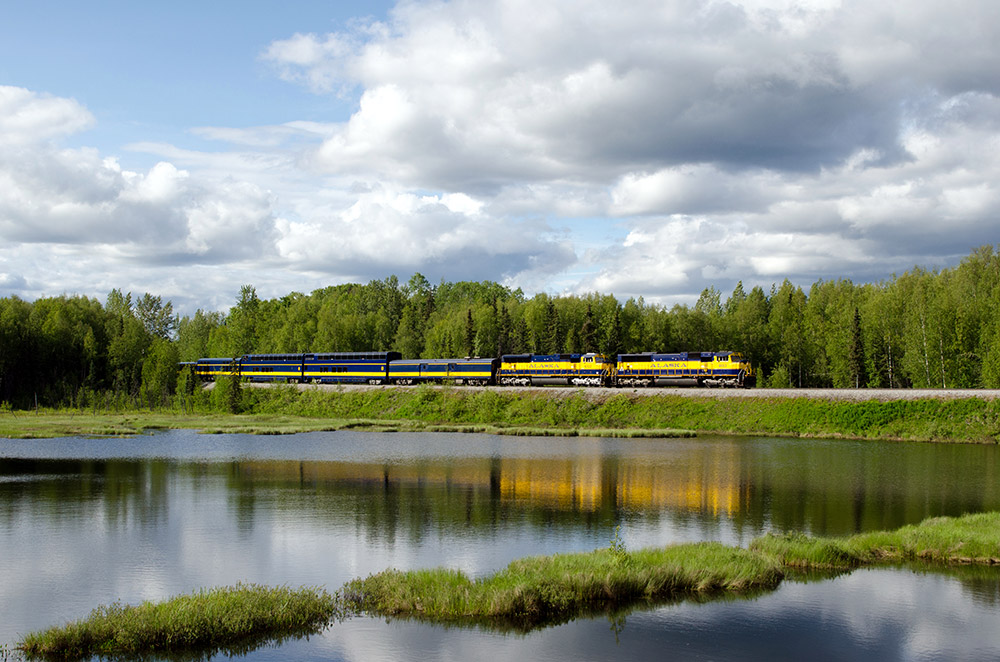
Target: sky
pixel 646 149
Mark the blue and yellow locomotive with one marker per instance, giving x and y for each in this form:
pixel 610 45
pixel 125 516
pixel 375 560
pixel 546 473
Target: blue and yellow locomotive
pixel 555 369
pixel 684 369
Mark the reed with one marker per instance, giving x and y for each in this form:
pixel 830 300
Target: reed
pixel 973 538
pixel 229 618
pixel 550 588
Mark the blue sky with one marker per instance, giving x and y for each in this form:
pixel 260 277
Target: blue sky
pixel 153 71
pixel 652 149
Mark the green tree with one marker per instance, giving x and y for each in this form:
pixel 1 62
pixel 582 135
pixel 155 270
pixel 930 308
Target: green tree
pixel 470 333
pixel 156 317
pixel 588 332
pixel 786 330
pixel 747 318
pixel 552 338
pixel 857 352
pixel 504 330
pixel 882 307
pixel 612 332
pixel 410 337
pixel 194 334
pixel 128 341
pixel 243 323
pixel 159 372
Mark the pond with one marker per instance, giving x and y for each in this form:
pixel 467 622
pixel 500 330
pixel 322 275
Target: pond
pixel 85 522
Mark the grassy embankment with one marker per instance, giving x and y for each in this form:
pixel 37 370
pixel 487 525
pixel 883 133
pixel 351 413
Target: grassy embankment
pixel 279 410
pixel 528 593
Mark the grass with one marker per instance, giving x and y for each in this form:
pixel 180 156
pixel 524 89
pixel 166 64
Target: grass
pixel 282 409
pixel 528 593
pixel 970 539
pixel 547 589
pixel 958 420
pixel 233 619
pixel 49 424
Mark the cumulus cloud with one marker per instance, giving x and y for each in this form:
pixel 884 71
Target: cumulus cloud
pixel 580 89
pixel 77 197
pixel 27 117
pixel 753 139
pixel 192 211
pixel 653 148
pixel 395 231
pixel 73 220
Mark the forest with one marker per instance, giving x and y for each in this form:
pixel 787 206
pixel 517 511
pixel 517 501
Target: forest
pixel 924 328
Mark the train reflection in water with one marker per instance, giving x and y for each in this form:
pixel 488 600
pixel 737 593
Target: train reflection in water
pixel 590 483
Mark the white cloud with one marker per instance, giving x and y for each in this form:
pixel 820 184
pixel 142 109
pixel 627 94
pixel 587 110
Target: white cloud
pixel 715 140
pixel 62 209
pixel 394 231
pixel 520 91
pixel 27 118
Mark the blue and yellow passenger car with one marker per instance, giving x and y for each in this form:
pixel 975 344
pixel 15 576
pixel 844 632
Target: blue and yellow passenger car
pixel 210 369
pixel 473 371
pixel 348 367
pixel 271 367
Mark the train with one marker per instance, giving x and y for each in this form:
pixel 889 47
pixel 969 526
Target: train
pixel 647 369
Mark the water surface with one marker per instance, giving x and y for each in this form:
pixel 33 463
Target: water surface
pixel 90 521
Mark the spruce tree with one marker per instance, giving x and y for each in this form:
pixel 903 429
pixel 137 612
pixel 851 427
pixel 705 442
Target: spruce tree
pixel 857 353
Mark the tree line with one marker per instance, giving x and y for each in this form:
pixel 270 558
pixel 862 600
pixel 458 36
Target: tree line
pixel 923 328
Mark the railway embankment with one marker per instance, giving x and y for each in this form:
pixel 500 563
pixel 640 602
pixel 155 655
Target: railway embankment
pixel 944 416
pixel 951 416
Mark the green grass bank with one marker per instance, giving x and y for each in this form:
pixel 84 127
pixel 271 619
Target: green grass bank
pixel 284 409
pixel 528 593
pixel 545 590
pixel 957 420
pixel 229 619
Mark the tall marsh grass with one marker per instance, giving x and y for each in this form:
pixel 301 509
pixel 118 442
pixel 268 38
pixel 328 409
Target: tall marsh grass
pixel 221 618
pixel 552 588
pixel 971 538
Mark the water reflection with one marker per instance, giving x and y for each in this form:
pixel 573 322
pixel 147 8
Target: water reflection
pixel 87 522
pixel 745 486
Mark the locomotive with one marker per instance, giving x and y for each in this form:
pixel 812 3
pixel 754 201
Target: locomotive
pixel 720 369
